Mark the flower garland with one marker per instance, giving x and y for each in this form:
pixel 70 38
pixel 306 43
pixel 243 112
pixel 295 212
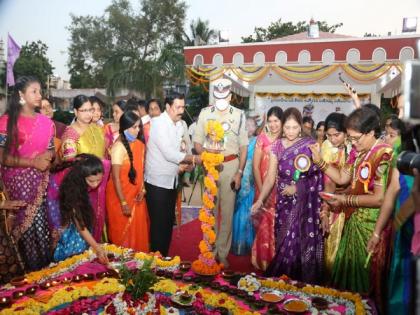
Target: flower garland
pixel 214 130
pixel 169 265
pixel 123 305
pixel 296 74
pixel 54 270
pixel 67 294
pixel 206 263
pixel 86 305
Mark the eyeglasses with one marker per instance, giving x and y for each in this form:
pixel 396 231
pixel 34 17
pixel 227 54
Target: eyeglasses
pixel 355 139
pixel 92 110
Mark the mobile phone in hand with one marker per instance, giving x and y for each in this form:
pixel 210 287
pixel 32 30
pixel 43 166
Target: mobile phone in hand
pixel 326 196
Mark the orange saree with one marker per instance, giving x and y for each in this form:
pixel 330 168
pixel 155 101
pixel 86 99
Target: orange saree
pixel 131 232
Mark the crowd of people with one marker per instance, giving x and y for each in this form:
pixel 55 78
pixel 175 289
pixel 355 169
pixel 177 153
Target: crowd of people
pixel 321 205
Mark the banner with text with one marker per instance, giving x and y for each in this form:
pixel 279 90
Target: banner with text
pixel 316 107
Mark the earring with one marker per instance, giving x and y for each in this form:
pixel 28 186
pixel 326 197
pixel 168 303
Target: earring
pixel 22 101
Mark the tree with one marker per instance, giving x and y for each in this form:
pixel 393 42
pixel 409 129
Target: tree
pixel 33 60
pixel 200 33
pixel 280 29
pixel 127 48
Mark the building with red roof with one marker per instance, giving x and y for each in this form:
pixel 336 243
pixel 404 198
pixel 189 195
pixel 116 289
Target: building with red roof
pixel 306 67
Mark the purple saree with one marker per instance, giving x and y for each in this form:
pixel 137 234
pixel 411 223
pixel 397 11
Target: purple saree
pixel 299 240
pixel 30 228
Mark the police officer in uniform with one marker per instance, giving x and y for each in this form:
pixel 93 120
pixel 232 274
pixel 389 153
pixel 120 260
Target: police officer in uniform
pixel 235 143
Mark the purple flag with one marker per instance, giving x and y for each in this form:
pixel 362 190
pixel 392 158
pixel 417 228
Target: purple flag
pixel 13 51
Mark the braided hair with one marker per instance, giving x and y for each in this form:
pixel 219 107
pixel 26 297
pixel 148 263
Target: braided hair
pixel 74 202
pixel 127 120
pixel 13 111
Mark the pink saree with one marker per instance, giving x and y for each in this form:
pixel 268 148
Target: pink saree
pixel 92 141
pixel 30 229
pixel 263 247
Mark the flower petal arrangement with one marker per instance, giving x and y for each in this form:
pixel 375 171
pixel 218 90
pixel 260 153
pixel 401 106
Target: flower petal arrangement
pixel 206 263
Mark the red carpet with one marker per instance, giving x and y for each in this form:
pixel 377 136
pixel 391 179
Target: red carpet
pixel 185 241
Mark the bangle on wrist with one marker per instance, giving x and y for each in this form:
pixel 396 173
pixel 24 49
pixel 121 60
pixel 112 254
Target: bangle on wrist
pixel 240 171
pixel 123 203
pixel 322 165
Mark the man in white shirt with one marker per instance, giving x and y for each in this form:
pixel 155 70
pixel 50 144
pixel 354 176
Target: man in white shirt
pixel 164 160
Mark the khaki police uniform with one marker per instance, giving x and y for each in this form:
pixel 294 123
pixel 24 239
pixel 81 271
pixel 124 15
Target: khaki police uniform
pixel 233 122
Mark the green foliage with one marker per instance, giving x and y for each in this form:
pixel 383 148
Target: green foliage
pixel 130 48
pixel 200 33
pixel 63 116
pixel 138 282
pixel 280 29
pixel 33 61
pixel 198 98
pixel 386 108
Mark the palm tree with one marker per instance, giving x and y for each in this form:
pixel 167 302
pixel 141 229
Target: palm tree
pixel 200 33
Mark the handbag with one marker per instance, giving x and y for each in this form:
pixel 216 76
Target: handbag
pixel 11 263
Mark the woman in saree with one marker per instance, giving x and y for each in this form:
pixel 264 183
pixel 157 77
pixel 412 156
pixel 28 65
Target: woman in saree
pixel 242 229
pixel 47 110
pixel 128 219
pixel 396 205
pixel 366 170
pixel 335 151
pixel 26 152
pixel 84 175
pixel 320 132
pixel 81 136
pixel 263 247
pixel 299 241
pixel 98 110
pixel 112 129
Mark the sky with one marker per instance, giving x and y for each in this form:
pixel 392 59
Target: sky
pixel 46 20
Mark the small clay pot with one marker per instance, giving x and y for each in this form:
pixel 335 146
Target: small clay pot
pixel 31 290
pixel 185 266
pixel 18 281
pixel 224 288
pixel 45 285
pixel 215 285
pixel 18 294
pixel 320 303
pixel 160 273
pixel 178 276
pixel 5 302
